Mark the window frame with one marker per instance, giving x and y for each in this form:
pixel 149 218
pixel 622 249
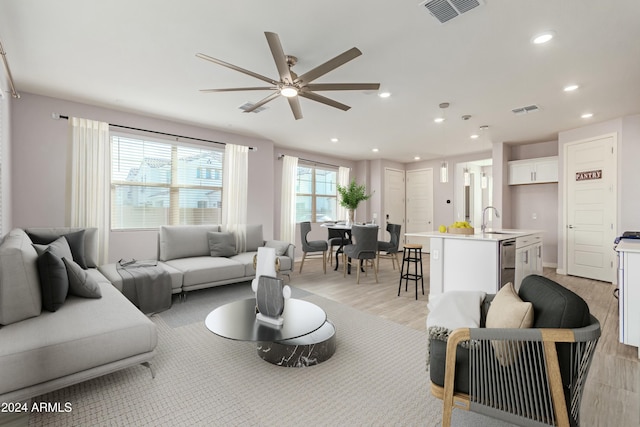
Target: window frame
pixel 173 186
pixel 314 195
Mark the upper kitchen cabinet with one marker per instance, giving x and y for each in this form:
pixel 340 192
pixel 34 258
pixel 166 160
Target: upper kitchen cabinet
pixel 533 171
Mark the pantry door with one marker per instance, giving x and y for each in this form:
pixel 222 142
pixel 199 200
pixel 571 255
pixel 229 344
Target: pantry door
pixel 591 178
pixel 393 202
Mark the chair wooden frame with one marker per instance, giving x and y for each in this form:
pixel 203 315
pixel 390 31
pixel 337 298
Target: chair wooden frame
pixel 514 402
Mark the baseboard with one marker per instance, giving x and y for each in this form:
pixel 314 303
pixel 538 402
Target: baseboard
pixel 550 264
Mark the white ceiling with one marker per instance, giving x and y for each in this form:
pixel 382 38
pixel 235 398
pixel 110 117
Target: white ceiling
pixel 139 56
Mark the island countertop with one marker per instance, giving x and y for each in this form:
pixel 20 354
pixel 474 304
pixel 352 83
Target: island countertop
pixel 492 235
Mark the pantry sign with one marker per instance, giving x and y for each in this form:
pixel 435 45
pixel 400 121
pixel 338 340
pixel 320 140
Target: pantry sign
pixel 588 175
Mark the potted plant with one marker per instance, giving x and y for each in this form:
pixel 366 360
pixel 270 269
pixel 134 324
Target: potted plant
pixel 351 196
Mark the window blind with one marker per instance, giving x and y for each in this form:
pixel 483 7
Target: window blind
pixel 156 182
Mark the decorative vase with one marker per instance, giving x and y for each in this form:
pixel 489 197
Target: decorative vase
pixel 351 215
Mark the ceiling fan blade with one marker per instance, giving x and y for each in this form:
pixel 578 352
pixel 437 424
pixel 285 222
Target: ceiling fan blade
pixel 236 68
pixel 324 100
pixel 238 89
pixel 343 86
pixel 294 103
pixel 279 57
pixel 330 65
pixel 262 102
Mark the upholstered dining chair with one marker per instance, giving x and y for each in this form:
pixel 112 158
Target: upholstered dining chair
pixel 390 248
pixel 532 375
pixel 364 249
pixel 312 247
pixel 338 238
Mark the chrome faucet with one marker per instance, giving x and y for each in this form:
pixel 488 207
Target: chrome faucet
pixel 484 224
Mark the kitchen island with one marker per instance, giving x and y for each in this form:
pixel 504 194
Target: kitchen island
pixel 483 261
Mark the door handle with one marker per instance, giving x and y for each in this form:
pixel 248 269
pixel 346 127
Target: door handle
pixel 570 226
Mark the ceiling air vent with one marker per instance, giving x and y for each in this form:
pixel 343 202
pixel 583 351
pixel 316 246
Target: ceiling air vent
pixel 445 10
pixel 525 110
pixel 247 105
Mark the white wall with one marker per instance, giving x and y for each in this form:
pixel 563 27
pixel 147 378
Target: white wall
pixel 5 167
pixel 40 166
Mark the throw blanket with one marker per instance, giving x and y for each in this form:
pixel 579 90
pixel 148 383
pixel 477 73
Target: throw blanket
pixel 146 285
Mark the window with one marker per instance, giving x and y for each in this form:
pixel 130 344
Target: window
pixel 316 194
pixel 157 183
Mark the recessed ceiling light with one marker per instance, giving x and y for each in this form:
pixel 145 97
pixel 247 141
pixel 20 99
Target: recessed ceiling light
pixel 384 94
pixel 416 158
pixel 439 119
pixel 334 139
pixel 587 115
pixel 570 88
pixel 375 150
pixel 543 37
pixel 475 136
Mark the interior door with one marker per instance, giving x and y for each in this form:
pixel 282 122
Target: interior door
pixel 590 175
pixel 394 195
pixel 419 205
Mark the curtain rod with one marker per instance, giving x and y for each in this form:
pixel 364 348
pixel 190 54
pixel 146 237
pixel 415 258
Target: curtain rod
pixel 14 93
pixel 280 156
pixel 60 116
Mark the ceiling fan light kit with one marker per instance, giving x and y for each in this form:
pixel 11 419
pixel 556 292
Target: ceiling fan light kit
pixel 290 85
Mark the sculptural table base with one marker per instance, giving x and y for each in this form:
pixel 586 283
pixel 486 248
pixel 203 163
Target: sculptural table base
pixel 307 350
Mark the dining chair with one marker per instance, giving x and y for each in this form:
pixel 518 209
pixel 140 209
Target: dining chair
pixel 313 246
pixel 364 249
pixel 390 248
pixel 337 237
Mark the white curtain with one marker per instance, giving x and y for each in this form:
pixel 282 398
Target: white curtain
pixel 343 180
pixel 89 199
pixel 234 194
pixel 288 204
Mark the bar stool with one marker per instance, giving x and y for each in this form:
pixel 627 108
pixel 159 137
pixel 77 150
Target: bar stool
pixel 412 254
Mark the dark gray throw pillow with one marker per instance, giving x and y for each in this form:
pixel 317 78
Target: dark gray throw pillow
pixel 80 283
pixel 221 244
pixel 54 282
pixel 75 240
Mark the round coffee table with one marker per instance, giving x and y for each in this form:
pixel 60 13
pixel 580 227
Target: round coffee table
pixel 305 338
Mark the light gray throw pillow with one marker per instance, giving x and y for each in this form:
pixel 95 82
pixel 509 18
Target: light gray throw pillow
pixel 221 244
pixel 59 247
pixel 280 246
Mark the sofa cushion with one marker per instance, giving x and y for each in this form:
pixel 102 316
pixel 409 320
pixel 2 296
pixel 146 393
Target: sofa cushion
pixel 80 282
pixel 254 237
pixel 82 334
pixel 221 243
pixel 207 269
pixel 74 239
pixel 246 259
pixel 184 241
pixel 90 240
pixel 54 282
pixel 20 295
pixel 109 273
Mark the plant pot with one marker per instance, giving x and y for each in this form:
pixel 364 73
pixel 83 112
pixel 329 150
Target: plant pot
pixel 351 216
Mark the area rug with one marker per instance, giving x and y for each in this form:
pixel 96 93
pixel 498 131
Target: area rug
pixel 376 377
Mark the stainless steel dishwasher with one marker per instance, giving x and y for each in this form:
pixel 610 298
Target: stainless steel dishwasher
pixel 507 261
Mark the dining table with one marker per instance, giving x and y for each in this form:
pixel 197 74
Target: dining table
pixel 346 229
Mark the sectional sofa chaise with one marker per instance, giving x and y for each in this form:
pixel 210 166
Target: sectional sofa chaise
pixel 41 351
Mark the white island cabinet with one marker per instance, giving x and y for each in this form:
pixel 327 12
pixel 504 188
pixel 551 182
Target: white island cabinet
pixel 478 262
pixel 629 291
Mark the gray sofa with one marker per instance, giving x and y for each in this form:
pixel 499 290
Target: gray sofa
pixel 186 248
pixel 84 338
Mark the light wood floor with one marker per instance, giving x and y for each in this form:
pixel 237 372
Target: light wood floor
pixel 612 393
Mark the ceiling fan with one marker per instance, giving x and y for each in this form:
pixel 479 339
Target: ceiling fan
pixel 290 85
